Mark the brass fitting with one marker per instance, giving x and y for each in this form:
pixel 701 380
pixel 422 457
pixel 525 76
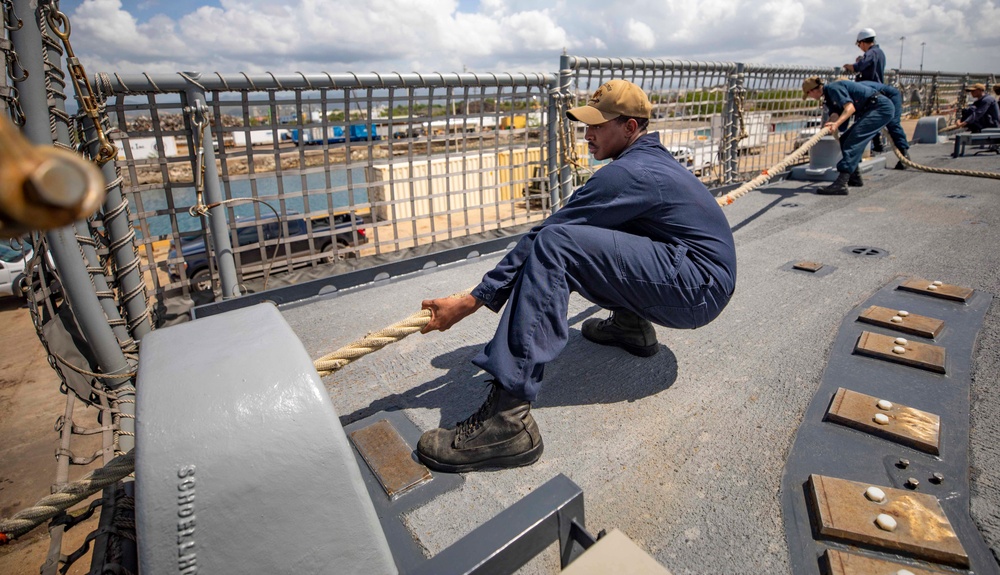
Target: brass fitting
pixel 43 187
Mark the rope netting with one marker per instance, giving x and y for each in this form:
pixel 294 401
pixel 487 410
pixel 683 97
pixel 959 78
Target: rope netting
pixel 66 497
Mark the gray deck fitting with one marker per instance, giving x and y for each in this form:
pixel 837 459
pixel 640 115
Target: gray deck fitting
pixel 405 551
pixel 826 270
pixel 827 448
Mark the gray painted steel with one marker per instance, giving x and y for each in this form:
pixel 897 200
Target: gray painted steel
pixel 927 130
pixel 407 553
pixel 217 221
pixel 241 463
pixel 826 448
pixel 685 451
pixel 77 284
pixel 123 245
pixel 140 83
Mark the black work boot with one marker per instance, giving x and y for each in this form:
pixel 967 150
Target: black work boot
pixel 855 180
pixel 837 188
pixel 625 330
pixel 900 165
pixel 501 434
pixel 877 146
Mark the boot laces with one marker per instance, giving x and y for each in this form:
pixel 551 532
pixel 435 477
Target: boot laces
pixel 486 410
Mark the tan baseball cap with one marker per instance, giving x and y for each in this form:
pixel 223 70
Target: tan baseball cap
pixel 809 84
pixel 976 87
pixel 614 98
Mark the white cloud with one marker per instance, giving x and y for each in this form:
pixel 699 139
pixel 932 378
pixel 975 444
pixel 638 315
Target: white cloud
pixel 521 35
pixel 642 36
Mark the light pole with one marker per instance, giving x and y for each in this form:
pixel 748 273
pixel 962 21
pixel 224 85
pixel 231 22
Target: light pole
pixel 922 44
pixel 901 38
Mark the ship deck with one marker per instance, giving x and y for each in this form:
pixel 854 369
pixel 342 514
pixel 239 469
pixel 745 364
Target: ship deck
pixel 686 451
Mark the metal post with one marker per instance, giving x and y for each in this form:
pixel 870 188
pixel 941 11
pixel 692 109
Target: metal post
pixel 51 564
pixel 922 44
pixel 730 127
pixel 93 261
pixel 901 38
pixel 77 284
pixel 553 161
pixel 933 99
pixel 218 225
pixel 4 88
pixel 564 81
pixel 131 286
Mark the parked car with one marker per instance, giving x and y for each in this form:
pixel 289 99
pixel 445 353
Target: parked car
pixel 12 264
pixel 195 263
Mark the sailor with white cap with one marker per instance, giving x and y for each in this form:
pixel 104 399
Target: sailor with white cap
pixel 871 65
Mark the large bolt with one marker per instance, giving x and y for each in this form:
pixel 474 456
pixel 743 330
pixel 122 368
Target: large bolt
pixel 912 483
pixel 937 478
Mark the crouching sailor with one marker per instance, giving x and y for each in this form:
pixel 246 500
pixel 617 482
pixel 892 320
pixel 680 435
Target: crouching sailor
pixel 642 238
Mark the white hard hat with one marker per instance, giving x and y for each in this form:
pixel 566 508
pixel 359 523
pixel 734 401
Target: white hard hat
pixel 865 34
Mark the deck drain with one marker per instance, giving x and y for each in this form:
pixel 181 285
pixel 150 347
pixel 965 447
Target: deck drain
pixel 957 196
pixel 789 205
pixel 866 251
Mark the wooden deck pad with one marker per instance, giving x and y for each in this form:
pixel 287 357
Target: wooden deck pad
pixel 390 458
pixel 906 425
pixel 916 354
pixel 902 321
pixel 922 529
pixel 937 289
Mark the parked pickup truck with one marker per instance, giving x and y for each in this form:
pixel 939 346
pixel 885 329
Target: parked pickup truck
pixel 195 265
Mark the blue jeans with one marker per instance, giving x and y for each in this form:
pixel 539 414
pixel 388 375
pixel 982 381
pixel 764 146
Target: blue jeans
pixel 613 269
pixel 856 138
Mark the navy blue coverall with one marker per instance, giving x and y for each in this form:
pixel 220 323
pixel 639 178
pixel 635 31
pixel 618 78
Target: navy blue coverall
pixel 983 113
pixel 871 66
pixel 894 127
pixel 643 235
pixel 872 111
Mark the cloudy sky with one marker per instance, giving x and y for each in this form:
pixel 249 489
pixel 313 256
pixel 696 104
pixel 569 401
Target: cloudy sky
pixel 162 36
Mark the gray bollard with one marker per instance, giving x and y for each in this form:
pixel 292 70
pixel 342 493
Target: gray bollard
pixel 823 158
pixel 927 131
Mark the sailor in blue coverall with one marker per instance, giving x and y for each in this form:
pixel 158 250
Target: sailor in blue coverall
pixel 643 238
pixel 869 67
pixel 982 113
pixel 894 127
pixel 871 111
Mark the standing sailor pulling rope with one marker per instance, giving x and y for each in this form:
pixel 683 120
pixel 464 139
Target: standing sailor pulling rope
pixel 871 111
pixel 643 238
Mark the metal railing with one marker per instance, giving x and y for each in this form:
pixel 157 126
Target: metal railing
pixel 313 169
pixel 935 93
pixel 276 172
